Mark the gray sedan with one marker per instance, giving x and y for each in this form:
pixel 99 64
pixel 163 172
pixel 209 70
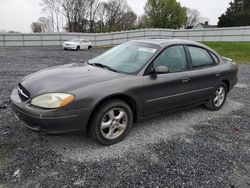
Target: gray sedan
pixel 138 79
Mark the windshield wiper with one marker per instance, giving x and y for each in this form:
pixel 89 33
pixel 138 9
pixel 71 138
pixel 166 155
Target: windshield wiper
pixel 102 66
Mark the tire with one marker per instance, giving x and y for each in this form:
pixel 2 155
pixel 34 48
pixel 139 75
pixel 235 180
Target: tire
pixel 89 47
pixel 218 99
pixel 78 48
pixel 111 122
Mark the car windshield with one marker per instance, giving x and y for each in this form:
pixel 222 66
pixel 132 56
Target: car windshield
pixel 75 40
pixel 128 58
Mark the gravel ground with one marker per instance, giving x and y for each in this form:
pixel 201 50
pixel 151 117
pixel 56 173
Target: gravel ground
pixel 189 148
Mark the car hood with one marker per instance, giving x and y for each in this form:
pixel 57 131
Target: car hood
pixel 67 78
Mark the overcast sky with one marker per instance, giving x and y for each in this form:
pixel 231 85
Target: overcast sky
pixel 18 15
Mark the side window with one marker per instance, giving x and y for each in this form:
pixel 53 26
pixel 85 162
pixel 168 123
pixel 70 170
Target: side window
pixel 200 57
pixel 216 59
pixel 174 58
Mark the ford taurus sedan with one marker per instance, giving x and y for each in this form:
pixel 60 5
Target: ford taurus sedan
pixel 138 79
pixel 77 44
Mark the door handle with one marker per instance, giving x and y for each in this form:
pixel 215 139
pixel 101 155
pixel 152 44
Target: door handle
pixel 185 79
pixel 217 74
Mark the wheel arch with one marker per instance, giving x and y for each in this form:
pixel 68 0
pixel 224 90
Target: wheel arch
pixel 127 99
pixel 227 82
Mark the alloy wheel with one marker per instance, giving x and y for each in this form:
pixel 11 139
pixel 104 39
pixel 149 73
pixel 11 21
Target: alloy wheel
pixel 114 123
pixel 219 96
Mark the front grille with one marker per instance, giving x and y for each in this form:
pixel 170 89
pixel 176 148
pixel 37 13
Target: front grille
pixel 23 93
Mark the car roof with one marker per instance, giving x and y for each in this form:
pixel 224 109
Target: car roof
pixel 170 41
pixel 166 42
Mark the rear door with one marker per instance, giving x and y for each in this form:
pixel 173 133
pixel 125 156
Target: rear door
pixel 204 73
pixel 84 44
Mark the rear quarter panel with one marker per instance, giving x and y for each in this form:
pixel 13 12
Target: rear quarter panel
pixel 229 72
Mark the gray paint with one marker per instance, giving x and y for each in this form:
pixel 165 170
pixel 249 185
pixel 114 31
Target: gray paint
pixel 149 94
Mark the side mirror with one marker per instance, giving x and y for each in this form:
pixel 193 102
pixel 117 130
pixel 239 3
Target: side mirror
pixel 161 70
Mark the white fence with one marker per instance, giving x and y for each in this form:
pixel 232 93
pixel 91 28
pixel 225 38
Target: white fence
pixel 104 39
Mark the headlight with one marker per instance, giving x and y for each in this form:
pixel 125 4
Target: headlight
pixel 52 100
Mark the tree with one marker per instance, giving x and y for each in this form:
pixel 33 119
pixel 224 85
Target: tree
pixel 52 8
pixel 114 12
pixel 77 14
pixel 165 14
pixel 93 8
pixel 88 15
pixel 128 20
pixel 45 24
pixel 193 18
pixel 36 27
pixel 116 15
pixel 238 14
pixel 143 22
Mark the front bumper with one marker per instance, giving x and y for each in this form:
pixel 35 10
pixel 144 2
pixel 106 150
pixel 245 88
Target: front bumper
pixel 69 47
pixel 51 121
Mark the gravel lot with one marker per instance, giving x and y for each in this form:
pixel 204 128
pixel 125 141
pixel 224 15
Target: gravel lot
pixel 190 148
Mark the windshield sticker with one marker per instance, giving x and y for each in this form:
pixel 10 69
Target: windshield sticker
pixel 150 50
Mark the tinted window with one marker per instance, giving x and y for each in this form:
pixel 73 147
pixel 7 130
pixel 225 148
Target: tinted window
pixel 216 59
pixel 173 57
pixel 200 57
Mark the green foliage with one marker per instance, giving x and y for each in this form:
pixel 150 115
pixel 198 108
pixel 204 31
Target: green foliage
pixel 238 51
pixel 165 14
pixel 238 14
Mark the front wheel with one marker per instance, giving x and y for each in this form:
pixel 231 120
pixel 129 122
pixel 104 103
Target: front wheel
pixel 218 99
pixel 78 48
pixel 111 122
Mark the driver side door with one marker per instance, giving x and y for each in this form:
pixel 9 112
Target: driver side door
pixel 167 91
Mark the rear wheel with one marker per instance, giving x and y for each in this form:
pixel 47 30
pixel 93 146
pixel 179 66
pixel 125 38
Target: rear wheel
pixel 89 47
pixel 218 99
pixel 78 48
pixel 111 122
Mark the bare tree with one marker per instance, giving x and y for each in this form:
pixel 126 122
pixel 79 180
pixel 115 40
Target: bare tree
pixel 89 15
pixel 128 20
pixel 101 15
pixel 193 18
pixel 52 9
pixel 76 12
pixel 118 15
pixel 45 24
pixel 93 8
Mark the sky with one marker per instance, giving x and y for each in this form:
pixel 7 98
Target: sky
pixel 18 15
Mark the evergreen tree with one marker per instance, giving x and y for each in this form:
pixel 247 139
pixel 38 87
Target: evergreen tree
pixel 238 14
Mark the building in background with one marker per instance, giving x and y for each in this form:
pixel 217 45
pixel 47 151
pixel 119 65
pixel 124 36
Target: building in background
pixel 204 26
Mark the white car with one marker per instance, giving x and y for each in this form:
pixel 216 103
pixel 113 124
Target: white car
pixel 77 44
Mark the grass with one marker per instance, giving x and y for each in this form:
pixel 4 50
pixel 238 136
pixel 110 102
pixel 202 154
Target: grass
pixel 238 51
